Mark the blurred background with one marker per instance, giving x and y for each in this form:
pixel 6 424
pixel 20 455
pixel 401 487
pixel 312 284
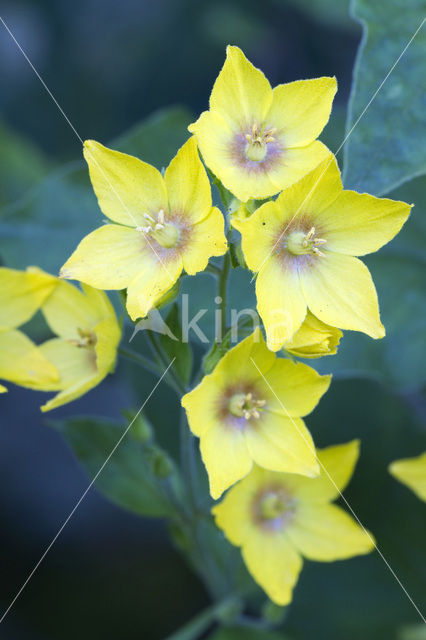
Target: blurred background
pixel 112 574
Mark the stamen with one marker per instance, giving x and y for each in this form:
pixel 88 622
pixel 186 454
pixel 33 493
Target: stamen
pixel 299 243
pixel 257 142
pixel 246 406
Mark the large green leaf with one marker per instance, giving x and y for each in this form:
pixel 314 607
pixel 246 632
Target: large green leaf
pixel 46 224
pixel 386 148
pixel 133 477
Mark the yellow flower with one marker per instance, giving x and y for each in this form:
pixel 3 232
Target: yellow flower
pixel 411 472
pixel 278 518
pixel 85 349
pixel 160 225
pixel 260 140
pixel 303 248
pixel 21 295
pixel 314 339
pixel 239 420
pixel 84 321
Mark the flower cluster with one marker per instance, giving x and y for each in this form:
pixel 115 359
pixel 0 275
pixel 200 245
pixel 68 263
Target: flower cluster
pixel 301 234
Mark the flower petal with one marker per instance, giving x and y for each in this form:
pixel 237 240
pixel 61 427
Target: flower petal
pixel 241 94
pixel 188 186
pixel 108 258
pixel 247 361
pixel 314 339
pixel 23 363
pixel 357 223
pixel 67 309
pixel 206 239
pixel 325 533
pixel 280 301
pixel 295 163
pixel 108 334
pixel 411 472
pixel 274 564
pixel 234 514
pixel 146 289
pixel 293 389
pixel 337 464
pixel 125 186
pixel 340 292
pixel 21 294
pixel 226 458
pixel 301 109
pixel 282 444
pixel 260 233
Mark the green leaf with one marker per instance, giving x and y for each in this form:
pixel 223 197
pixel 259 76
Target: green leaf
pixel 216 353
pixel 386 147
pixel 25 165
pixel 59 212
pixel 132 477
pixel 245 633
pixel 177 349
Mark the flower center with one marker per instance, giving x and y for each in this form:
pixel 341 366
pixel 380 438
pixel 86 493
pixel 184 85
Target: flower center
pixel 163 232
pixel 243 405
pixel 299 243
pixel 274 508
pixel 87 338
pixel 257 142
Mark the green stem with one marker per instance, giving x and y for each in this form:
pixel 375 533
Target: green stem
pixel 141 360
pixel 222 290
pixel 164 360
pixel 204 620
pixel 188 460
pixel 213 269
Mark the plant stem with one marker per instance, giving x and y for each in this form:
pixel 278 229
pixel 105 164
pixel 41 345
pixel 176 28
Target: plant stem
pixel 163 359
pixel 203 620
pixel 141 360
pixel 222 290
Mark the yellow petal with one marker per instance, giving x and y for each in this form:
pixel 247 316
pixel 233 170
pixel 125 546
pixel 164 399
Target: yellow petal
pixel 206 239
pixel 314 192
pixel 411 472
pixel 261 233
pixel 234 514
pixel 238 363
pixel 23 363
pixel 108 334
pixel 188 186
pixel 294 164
pixel 108 258
pixel 282 444
pixel 77 369
pixel 314 339
pixel 226 458
pixel 325 533
pixel 280 301
pixel 67 309
pixel 3 389
pixel 147 288
pixel 301 109
pixel 340 292
pixel 337 464
pixel 125 186
pixel 241 94
pixel 274 564
pixel 357 223
pixel 21 295
pixel 293 389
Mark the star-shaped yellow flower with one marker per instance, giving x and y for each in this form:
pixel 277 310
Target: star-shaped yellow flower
pixel 411 472
pixel 85 349
pixel 258 140
pixel 161 225
pixel 278 518
pixel 21 295
pixel 85 324
pixel 303 246
pixel 239 419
